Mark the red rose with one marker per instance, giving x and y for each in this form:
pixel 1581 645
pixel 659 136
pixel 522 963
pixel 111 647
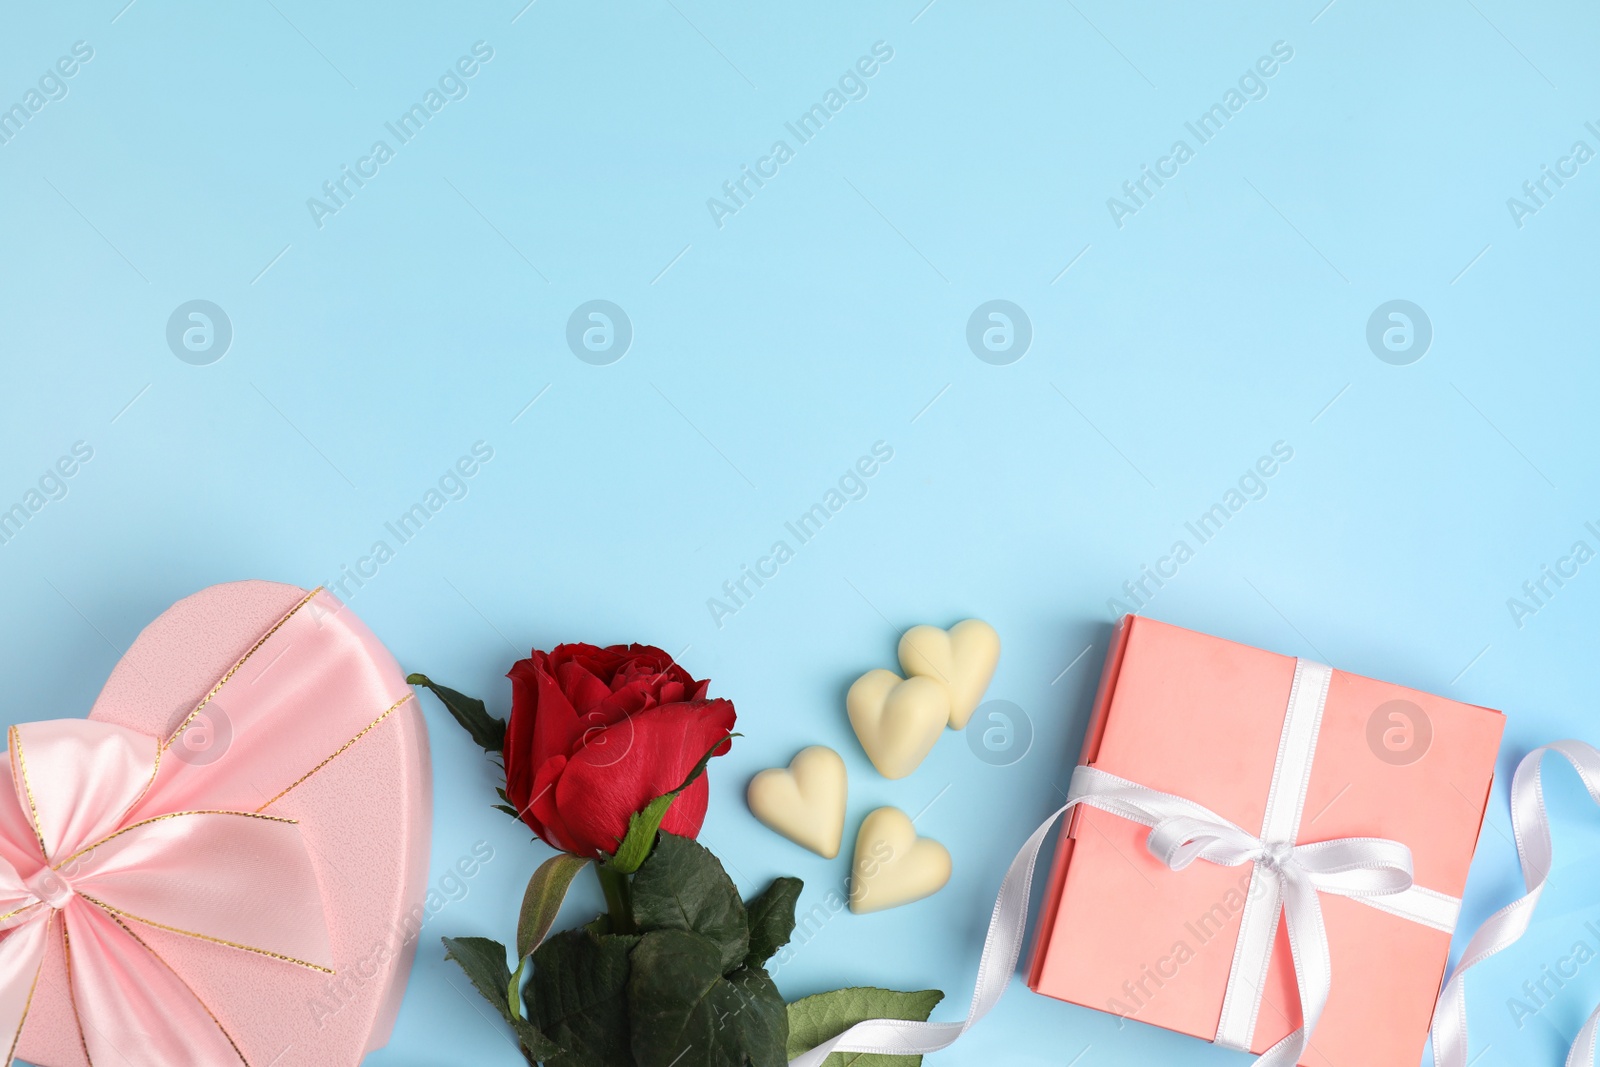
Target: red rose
pixel 597 733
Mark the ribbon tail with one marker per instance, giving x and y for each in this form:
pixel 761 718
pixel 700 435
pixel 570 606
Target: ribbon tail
pixel 1531 823
pixel 1001 948
pixel 134 1007
pixel 1313 967
pixel 22 954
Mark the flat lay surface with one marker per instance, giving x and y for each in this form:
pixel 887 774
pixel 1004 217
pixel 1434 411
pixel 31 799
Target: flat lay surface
pixel 766 335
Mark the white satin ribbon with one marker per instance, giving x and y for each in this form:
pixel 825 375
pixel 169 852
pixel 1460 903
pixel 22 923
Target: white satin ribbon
pixel 1288 879
pixel 1370 870
pixel 1531 824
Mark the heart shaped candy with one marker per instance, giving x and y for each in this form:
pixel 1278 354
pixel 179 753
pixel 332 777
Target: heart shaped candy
pixel 805 801
pixel 897 719
pixel 963 658
pixel 894 866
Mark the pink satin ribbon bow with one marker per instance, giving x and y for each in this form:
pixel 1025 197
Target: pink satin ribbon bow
pixel 107 835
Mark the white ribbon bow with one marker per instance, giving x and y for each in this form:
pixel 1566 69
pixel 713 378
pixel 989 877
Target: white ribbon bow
pixel 1287 879
pixel 1291 877
pixel 1531 823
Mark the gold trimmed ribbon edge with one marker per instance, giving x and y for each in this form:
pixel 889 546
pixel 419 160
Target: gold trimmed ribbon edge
pixel 116 912
pixel 21 771
pixel 155 772
pixel 14 912
pixel 182 981
pixel 184 725
pixel 160 818
pixel 373 725
pixel 27 1005
pixel 72 992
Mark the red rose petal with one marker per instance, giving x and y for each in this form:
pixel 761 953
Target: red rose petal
pixel 543 722
pixel 688 812
pixel 517 752
pixel 582 689
pixel 629 764
pixel 543 816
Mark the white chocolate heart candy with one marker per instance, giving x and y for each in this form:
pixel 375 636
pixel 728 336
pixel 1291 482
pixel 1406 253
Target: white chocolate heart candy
pixel 805 801
pixel 963 658
pixel 897 719
pixel 894 866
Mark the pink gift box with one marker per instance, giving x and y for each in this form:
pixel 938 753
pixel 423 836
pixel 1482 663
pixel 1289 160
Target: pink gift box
pixel 365 816
pixel 1200 717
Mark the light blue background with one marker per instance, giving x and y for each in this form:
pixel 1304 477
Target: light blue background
pixel 768 354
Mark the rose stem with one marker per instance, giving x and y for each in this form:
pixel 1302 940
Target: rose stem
pixel 619 898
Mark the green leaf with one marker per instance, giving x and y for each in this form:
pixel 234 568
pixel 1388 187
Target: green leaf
pixel 487 731
pixel 484 961
pixel 771 918
pixel 765 1021
pixel 579 997
pixel 683 887
pixel 685 1013
pixel 643 824
pixel 814 1020
pixel 533 1042
pixel 542 899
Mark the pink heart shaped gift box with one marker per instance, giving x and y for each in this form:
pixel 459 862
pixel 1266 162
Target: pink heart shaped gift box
pixel 268 709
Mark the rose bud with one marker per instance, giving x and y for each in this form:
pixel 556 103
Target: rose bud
pixel 597 733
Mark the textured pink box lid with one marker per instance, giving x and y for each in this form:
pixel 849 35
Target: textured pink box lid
pixel 367 818
pixel 1200 717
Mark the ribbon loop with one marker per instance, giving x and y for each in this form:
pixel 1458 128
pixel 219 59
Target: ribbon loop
pixel 233 878
pixel 1181 839
pixel 1357 866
